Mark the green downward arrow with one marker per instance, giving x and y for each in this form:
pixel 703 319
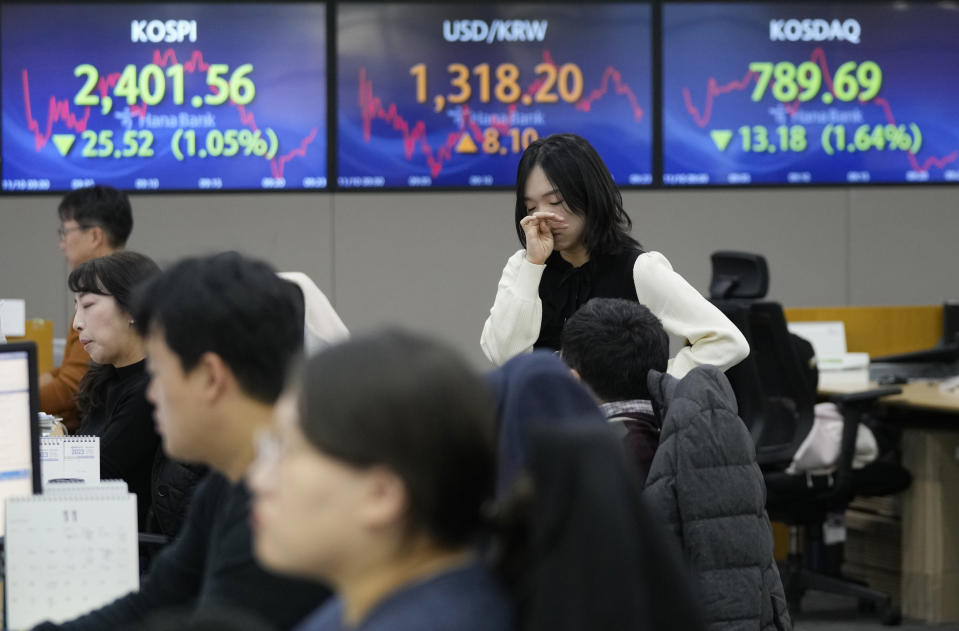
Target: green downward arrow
pixel 64 142
pixel 721 137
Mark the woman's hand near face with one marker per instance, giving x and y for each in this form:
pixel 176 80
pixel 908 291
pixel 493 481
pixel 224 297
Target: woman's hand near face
pixel 539 235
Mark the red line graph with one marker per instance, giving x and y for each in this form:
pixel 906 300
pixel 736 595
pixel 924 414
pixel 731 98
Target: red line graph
pixel 714 90
pixel 277 164
pixel 107 82
pixel 194 63
pixel 372 108
pixel 59 110
pixel 611 74
pixel 938 162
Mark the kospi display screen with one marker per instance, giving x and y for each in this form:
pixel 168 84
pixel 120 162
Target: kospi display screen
pixel 810 93
pixel 444 95
pixel 163 96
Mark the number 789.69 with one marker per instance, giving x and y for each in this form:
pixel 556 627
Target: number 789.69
pixel 803 82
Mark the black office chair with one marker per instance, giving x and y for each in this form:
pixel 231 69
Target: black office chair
pixel 775 422
pixel 776 397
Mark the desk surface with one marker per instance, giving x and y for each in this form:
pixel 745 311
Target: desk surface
pixel 929 559
pixel 922 395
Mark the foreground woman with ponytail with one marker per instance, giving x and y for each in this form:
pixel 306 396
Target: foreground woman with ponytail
pixel 374 482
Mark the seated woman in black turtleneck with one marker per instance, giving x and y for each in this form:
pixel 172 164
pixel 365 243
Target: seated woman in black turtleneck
pixel 112 395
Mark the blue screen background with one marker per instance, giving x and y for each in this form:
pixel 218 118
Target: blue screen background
pixel 408 139
pixel 41 44
pixel 915 46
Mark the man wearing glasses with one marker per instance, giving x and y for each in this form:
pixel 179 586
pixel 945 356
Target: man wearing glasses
pixel 94 222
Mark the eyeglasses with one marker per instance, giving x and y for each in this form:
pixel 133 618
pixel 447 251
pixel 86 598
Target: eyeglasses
pixel 63 232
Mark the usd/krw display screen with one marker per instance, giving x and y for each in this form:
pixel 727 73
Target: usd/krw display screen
pixel 810 93
pixel 438 95
pixel 163 96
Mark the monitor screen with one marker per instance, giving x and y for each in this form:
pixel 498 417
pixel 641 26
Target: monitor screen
pixel 810 93
pixel 163 96
pixel 19 447
pixel 449 95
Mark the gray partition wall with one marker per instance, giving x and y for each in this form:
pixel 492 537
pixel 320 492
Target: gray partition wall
pixel 431 261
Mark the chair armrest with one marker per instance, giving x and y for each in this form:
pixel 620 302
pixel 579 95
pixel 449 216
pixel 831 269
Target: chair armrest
pixel 776 453
pixel 864 396
pixel 852 406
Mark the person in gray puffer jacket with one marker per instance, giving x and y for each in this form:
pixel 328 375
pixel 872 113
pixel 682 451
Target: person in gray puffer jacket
pixel 705 483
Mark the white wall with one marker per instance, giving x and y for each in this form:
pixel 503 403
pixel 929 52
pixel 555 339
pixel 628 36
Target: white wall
pixel 431 261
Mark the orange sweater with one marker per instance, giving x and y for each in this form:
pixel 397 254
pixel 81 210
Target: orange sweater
pixel 57 397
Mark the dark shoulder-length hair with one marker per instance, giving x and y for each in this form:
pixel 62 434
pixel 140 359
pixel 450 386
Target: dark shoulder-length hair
pixel 116 275
pixel 402 401
pixel 572 166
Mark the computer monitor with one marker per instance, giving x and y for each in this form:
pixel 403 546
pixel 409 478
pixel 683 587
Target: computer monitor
pixel 20 432
pixel 950 322
pixel 945 352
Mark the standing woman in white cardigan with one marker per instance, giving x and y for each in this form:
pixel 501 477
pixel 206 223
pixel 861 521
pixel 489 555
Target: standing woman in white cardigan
pixel 575 233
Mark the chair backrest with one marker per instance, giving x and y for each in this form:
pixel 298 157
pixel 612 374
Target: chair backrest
pixel 738 275
pixel 772 391
pixel 744 376
pixel 784 380
pixel 773 421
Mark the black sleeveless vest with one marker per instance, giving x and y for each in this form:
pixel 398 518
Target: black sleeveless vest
pixel 563 288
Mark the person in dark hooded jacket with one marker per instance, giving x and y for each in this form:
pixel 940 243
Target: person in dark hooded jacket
pixel 533 390
pixel 580 548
